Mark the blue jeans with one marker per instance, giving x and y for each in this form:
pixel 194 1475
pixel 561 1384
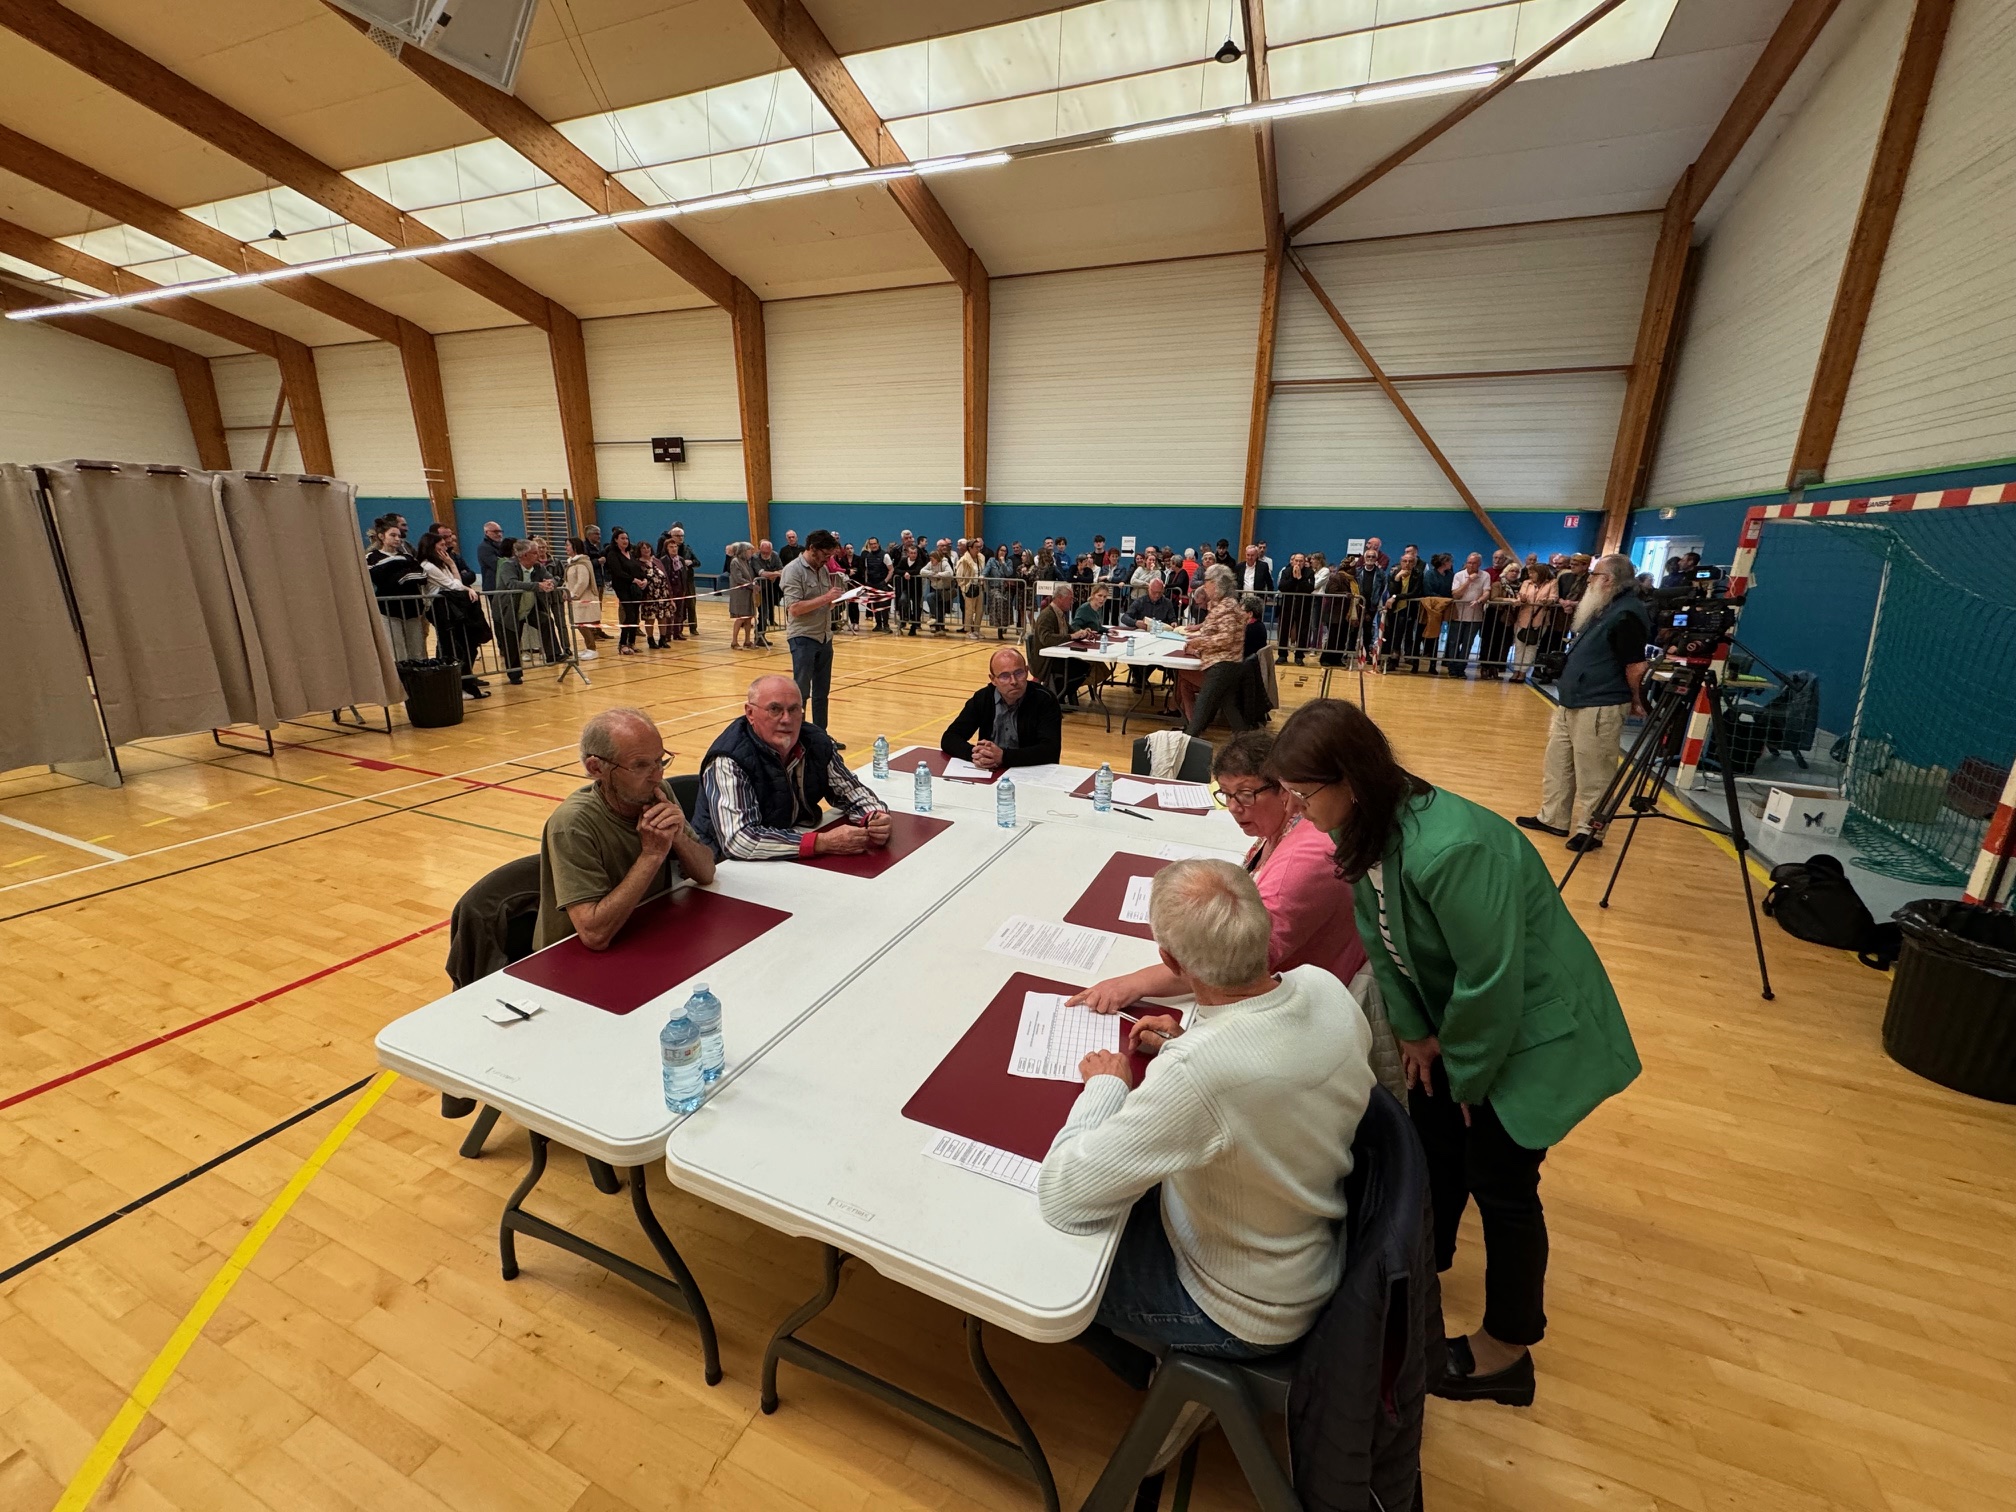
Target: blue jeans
pixel 812 670
pixel 1146 1298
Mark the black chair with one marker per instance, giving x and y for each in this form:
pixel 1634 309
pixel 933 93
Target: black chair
pixel 686 788
pixel 1195 766
pixel 492 926
pixel 1355 1442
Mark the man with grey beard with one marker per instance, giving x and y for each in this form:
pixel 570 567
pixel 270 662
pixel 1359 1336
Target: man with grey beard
pixel 1603 678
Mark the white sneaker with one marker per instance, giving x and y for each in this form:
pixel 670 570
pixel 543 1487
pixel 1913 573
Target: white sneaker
pixel 1189 1423
pixel 587 655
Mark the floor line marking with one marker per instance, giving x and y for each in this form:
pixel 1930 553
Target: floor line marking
pixel 223 1013
pixel 98 1464
pixel 62 839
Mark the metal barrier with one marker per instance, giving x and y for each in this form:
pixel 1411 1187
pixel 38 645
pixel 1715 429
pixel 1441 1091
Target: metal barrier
pixel 489 634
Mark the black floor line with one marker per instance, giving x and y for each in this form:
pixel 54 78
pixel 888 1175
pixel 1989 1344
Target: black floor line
pixel 184 1179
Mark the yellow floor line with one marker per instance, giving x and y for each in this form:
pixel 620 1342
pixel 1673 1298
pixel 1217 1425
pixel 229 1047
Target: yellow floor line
pixel 26 859
pixel 90 1476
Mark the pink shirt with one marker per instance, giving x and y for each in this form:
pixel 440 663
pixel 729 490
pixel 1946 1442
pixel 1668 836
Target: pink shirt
pixel 1315 922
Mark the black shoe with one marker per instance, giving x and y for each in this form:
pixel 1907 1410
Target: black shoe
pixel 1583 842
pixel 1298 658
pixel 515 679
pixel 1535 822
pixel 1280 658
pixel 1511 1387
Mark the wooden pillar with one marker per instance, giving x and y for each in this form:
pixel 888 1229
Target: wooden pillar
pixel 752 399
pixel 1882 195
pixel 206 415
pixel 976 331
pixel 1631 458
pixel 1263 390
pixel 298 380
pixel 577 424
pixel 430 418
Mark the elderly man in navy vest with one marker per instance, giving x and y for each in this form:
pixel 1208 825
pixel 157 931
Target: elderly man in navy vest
pixel 764 782
pixel 1603 678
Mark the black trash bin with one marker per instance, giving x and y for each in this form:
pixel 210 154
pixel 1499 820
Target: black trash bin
pixel 433 693
pixel 1952 1012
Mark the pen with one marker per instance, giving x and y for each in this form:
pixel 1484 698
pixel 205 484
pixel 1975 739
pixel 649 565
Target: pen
pixel 1133 813
pixel 517 1010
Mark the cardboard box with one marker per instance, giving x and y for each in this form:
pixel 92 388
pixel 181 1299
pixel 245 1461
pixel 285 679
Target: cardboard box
pixel 1805 813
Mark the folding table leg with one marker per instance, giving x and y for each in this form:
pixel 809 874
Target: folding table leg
pixel 479 1131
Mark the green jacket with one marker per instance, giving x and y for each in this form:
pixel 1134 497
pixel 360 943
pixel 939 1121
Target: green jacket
pixel 1496 968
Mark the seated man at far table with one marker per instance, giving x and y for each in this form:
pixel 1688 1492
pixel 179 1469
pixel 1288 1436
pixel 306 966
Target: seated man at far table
pixel 764 780
pixel 618 841
pixel 1053 628
pixel 1229 1159
pixel 1150 608
pixel 1009 723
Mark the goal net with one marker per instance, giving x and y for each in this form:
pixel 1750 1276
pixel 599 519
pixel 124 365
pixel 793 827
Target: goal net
pixel 1904 611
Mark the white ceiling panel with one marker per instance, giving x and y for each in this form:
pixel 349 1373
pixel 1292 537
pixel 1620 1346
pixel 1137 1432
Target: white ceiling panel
pixel 833 243
pixel 596 273
pixel 174 332
pixel 423 296
pixel 1186 196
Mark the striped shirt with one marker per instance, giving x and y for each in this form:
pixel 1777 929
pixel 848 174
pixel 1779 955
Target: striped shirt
pixel 738 816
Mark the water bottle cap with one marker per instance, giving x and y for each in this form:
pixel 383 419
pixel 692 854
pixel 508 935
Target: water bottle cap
pixel 699 987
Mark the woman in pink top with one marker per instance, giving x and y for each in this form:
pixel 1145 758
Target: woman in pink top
pixel 1294 865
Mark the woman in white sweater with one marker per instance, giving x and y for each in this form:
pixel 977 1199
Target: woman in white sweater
pixel 1229 1159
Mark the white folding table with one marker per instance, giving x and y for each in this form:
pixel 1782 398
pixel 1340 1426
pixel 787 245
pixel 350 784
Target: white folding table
pixel 1134 648
pixel 1129 828
pixel 810 1138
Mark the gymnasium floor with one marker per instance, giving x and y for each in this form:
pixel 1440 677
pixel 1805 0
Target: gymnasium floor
pixel 1782 1268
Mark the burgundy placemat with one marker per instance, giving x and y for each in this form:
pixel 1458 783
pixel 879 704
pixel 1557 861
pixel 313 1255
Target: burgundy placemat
pixel 904 764
pixel 907 833
pixel 665 941
pixel 972 1094
pixel 1098 907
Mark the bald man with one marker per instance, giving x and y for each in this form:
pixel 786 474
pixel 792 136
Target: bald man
pixel 1011 722
pixel 618 841
pixel 764 782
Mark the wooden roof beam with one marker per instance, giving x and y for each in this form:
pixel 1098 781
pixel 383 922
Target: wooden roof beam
pixel 1260 88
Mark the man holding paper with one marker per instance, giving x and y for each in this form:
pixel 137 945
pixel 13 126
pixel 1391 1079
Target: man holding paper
pixel 1009 723
pixel 1229 1159
pixel 809 593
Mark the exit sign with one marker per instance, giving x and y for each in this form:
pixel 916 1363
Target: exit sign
pixel 1570 522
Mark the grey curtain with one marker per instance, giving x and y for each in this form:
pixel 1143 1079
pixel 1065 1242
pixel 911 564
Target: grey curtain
pixel 165 611
pixel 316 624
pixel 45 686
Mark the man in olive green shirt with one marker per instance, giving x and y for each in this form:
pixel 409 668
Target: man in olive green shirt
pixel 618 841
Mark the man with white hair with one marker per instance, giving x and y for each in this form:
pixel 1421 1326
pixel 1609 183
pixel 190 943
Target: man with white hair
pixel 1602 679
pixel 1229 1159
pixel 617 842
pixel 764 782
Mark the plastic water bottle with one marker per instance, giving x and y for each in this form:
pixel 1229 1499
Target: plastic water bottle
pixel 679 1053
pixel 1004 802
pixel 705 1010
pixel 920 798
pixel 881 767
pixel 1102 788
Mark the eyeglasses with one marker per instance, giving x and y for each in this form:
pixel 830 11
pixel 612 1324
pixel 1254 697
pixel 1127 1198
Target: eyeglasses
pixel 1301 797
pixel 1226 798
pixel 648 764
pixel 780 711
pixel 1017 674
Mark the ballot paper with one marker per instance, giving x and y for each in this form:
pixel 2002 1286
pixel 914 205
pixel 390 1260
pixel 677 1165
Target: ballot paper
pixel 957 769
pixel 985 1160
pixel 1131 790
pixel 1184 795
pixel 1052 1039
pixel 850 595
pixel 1030 939
pixel 1135 909
pixel 1062 779
pixel 1170 851
pixel 503 1016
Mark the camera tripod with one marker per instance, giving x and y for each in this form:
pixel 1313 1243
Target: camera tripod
pixel 1642 778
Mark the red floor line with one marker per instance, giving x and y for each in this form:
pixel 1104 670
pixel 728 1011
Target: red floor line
pixel 373 764
pixel 223 1013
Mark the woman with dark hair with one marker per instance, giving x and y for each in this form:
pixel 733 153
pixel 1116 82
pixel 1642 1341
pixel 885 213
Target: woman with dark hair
pixel 655 607
pixel 455 608
pixel 626 576
pixel 401 588
pixel 1509 1029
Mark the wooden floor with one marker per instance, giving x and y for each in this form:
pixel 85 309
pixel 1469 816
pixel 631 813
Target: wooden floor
pixel 1782 1266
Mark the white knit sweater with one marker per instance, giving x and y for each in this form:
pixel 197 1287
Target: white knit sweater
pixel 1246 1120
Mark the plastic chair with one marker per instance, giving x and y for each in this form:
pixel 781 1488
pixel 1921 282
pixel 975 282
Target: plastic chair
pixel 1195 766
pixel 686 788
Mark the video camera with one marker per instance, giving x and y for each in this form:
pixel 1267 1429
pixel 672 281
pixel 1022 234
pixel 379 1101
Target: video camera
pixel 1691 621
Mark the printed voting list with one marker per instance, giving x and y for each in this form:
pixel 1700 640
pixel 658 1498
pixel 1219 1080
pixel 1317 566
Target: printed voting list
pixel 1134 909
pixel 984 1160
pixel 1030 939
pixel 1052 1039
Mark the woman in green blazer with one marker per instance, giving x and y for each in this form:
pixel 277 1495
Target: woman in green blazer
pixel 1507 1022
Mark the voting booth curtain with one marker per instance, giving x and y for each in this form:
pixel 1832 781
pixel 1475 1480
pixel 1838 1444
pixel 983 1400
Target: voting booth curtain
pixel 203 599
pixel 44 683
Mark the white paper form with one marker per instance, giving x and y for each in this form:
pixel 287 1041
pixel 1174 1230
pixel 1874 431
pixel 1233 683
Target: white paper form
pixel 1030 939
pixel 985 1160
pixel 1135 909
pixel 958 769
pixel 1052 1039
pixel 1170 851
pixel 1062 779
pixel 1133 790
pixel 1184 795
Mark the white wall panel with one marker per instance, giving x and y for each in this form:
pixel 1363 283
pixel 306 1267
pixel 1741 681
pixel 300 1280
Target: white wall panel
pixel 371 435
pixel 503 413
pixel 1767 282
pixel 665 375
pixel 1518 442
pixel 64 396
pixel 1935 385
pixel 246 389
pixel 866 397
pixel 1124 385
pixel 1564 295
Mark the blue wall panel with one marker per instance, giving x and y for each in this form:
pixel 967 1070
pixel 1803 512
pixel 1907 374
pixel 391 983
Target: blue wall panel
pixel 415 510
pixel 710 524
pixel 1455 531
pixel 856 522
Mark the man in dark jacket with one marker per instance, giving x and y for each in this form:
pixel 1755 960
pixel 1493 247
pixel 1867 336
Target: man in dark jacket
pixel 872 569
pixel 1010 722
pixel 763 784
pixel 489 551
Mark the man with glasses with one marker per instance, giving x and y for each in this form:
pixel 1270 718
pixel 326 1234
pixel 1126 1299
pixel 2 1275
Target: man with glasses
pixel 618 841
pixel 809 592
pixel 764 781
pixel 1010 722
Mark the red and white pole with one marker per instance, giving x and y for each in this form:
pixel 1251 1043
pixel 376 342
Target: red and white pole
pixel 1699 722
pixel 1991 867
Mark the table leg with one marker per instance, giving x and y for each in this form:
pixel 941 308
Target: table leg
pixel 678 1290
pixel 1023 1454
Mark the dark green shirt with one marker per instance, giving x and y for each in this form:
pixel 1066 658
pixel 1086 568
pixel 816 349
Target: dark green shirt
pixel 584 852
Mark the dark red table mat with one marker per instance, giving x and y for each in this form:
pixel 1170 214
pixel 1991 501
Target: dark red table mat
pixel 904 764
pixel 972 1094
pixel 907 833
pixel 665 941
pixel 1098 907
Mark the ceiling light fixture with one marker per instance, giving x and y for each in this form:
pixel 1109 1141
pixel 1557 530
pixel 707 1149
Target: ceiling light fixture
pixel 1177 127
pixel 1229 53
